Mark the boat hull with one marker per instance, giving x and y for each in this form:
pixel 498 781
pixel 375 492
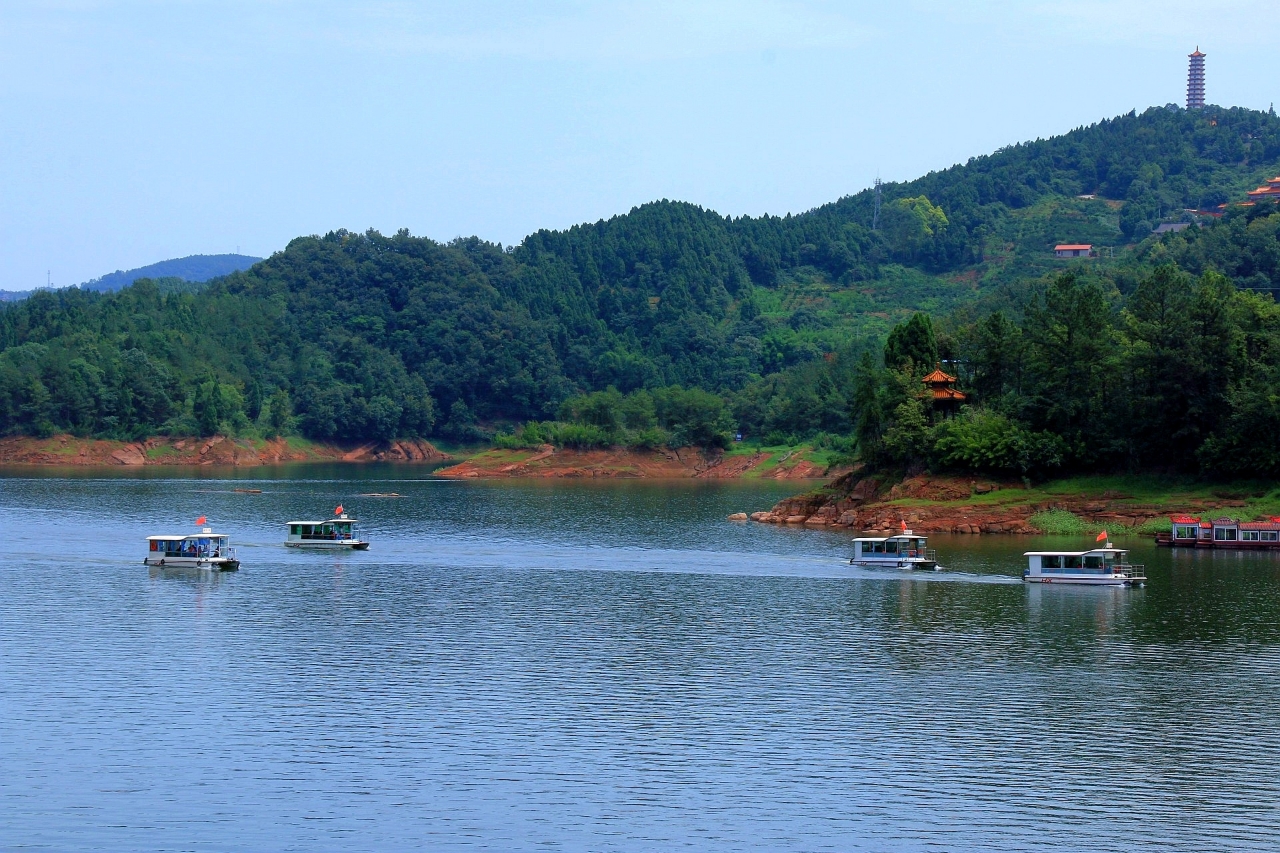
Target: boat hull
pixel 909 564
pixel 212 564
pixel 329 546
pixel 1085 580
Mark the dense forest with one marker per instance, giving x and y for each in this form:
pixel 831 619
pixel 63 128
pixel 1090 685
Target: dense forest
pixel 672 324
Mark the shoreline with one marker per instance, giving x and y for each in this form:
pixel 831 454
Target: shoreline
pixel 547 462
pixel 222 451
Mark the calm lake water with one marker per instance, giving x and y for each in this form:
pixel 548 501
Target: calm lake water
pixel 584 666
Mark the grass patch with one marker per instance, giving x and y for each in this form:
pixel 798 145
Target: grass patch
pixel 778 457
pixel 1059 522
pixel 161 452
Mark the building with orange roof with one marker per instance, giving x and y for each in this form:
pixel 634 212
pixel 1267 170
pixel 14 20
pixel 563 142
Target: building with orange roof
pixel 945 397
pixel 1268 192
pixel 1073 250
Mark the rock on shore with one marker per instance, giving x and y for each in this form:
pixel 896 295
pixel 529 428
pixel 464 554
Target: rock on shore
pixel 861 503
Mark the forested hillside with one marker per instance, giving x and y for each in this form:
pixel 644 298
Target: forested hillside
pixel 702 324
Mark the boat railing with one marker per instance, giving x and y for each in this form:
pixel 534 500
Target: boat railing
pixel 1137 571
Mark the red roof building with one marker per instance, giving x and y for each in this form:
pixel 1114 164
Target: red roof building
pixel 1073 250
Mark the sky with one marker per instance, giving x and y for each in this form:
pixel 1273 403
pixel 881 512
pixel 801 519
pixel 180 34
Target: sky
pixel 132 131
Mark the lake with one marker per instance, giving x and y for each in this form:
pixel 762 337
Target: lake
pixel 606 666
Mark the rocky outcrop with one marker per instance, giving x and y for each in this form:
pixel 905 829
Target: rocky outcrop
pixel 863 503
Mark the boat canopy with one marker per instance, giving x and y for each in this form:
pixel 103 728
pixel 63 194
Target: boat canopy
pixel 326 521
pixel 190 536
pixel 1074 553
pixel 896 537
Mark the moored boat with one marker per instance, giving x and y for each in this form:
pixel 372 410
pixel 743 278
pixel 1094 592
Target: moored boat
pixel 335 534
pixel 1097 567
pixel 203 550
pixel 1187 531
pixel 904 551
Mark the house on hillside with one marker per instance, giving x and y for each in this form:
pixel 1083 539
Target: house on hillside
pixel 1269 192
pixel 1166 227
pixel 1073 250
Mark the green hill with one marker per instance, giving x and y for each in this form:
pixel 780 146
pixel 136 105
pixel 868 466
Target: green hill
pixel 366 336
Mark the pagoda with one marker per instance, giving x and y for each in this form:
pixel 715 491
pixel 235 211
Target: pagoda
pixel 1195 81
pixel 941 384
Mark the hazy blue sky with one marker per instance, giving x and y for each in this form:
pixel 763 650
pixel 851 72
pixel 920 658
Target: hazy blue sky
pixel 139 130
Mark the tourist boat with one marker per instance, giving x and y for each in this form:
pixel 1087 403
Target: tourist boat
pixel 335 534
pixel 203 550
pixel 904 551
pixel 1098 567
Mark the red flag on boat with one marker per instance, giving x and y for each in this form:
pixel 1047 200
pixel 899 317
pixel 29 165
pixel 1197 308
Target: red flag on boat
pixel 1101 537
pixel 201 520
pixel 338 510
pixel 904 526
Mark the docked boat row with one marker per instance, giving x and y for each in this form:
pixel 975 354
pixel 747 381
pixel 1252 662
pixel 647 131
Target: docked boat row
pixel 1187 531
pixel 1105 566
pixel 213 551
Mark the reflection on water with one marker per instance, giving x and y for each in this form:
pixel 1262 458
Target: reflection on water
pixel 607 667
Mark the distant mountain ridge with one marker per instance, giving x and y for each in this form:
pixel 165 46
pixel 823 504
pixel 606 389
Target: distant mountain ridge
pixel 190 268
pixel 193 268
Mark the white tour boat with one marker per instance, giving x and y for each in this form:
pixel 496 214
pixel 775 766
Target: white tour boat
pixel 203 550
pixel 904 551
pixel 1098 567
pixel 335 534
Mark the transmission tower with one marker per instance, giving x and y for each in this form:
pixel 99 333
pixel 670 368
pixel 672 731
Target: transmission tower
pixel 875 217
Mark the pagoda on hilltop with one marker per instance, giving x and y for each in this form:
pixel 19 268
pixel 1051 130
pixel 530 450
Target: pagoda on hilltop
pixel 1195 81
pixel 946 398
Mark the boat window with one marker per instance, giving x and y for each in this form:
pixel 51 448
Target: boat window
pixel 1072 562
pixel 891 547
pixel 1224 534
pixel 1184 532
pixel 1093 562
pixel 1054 562
pixel 1269 536
pixel 1249 535
pixel 877 548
